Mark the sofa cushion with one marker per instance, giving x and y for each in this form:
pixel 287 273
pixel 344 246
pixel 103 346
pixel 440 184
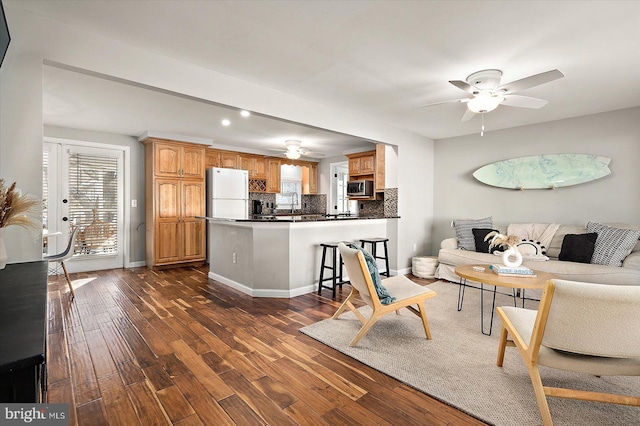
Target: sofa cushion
pixel 578 247
pixel 612 244
pixel 465 235
pixel 482 246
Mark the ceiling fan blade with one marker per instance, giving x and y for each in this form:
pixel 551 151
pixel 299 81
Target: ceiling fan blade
pixel 468 115
pixel 463 100
pixel 523 101
pixel 531 81
pixel 463 85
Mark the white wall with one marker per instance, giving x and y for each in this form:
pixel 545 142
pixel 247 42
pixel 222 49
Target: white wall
pixel 614 198
pixel 36 39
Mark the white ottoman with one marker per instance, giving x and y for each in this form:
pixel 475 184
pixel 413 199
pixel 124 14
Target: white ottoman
pixel 424 266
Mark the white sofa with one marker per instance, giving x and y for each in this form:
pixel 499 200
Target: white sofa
pixel 450 257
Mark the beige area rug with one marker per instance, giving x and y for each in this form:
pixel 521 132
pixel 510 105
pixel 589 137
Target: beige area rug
pixel 459 368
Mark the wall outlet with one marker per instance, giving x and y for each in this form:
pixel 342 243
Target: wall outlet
pixel 235 258
pixel 134 203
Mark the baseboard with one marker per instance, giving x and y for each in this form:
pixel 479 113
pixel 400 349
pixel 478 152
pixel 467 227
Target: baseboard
pixel 138 264
pixel 403 271
pixel 279 294
pixel 231 283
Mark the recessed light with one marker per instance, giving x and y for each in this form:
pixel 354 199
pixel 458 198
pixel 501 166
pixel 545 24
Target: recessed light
pixel 245 113
pixel 225 122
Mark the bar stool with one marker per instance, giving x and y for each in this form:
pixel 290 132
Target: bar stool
pixel 374 244
pixel 335 268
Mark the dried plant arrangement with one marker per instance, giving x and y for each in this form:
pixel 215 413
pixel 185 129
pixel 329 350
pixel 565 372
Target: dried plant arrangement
pixel 17 209
pixel 498 239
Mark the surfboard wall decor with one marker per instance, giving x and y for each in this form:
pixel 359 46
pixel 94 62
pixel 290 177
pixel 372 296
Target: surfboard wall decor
pixel 548 171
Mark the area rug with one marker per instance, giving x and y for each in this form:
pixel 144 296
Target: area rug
pixel 458 366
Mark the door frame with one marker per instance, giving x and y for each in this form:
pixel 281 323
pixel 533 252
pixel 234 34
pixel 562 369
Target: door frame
pixel 126 184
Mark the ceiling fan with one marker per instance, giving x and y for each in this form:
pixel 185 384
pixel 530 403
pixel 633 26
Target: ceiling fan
pixel 294 150
pixel 488 94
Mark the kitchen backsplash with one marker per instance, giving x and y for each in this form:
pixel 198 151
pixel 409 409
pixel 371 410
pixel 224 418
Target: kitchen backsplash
pixel 382 208
pixel 267 201
pixel 311 203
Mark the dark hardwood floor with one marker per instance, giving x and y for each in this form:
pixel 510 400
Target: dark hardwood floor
pixel 146 347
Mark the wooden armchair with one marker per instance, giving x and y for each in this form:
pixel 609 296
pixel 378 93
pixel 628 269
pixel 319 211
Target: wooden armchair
pixel 405 291
pixel 580 327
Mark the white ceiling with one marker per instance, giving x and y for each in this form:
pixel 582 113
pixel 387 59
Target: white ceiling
pixel 380 58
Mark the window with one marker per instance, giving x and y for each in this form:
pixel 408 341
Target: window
pixel 290 194
pixel 93 204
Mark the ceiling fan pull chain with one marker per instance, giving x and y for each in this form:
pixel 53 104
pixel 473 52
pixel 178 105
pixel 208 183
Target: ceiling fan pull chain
pixel 482 129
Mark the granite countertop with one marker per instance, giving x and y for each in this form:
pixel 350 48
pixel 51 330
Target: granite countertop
pixel 297 217
pixel 309 218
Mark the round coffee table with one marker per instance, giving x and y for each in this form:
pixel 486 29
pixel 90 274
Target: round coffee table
pixel 487 276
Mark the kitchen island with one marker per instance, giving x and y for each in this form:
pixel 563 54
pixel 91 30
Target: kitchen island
pixel 281 258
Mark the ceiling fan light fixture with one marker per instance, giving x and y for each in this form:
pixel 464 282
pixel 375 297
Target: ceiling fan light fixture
pixel 484 102
pixel 292 155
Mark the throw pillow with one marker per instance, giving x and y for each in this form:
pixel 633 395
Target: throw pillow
pixel 613 244
pixel 381 290
pixel 464 231
pixel 578 247
pixel 482 246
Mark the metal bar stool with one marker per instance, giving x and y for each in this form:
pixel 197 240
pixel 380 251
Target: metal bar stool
pixel 335 268
pixel 374 244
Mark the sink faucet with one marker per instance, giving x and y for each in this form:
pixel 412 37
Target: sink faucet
pixel 294 197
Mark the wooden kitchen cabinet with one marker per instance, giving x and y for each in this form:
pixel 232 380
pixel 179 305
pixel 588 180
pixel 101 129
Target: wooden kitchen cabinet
pixel 379 183
pixel 310 178
pixel 229 160
pixel 175 195
pixel 255 165
pixel 260 168
pixel 273 180
pixel 211 158
pixel 362 163
pixel 178 160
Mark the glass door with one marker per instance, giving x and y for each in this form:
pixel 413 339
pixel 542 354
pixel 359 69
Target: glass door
pixel 88 194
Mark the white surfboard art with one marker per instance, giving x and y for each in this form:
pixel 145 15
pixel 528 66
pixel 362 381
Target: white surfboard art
pixel 544 171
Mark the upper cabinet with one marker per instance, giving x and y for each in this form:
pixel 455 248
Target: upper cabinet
pixel 229 160
pixel 173 159
pixel 273 180
pixel 264 171
pixel 372 165
pixel 255 165
pixel 310 178
pixel 362 163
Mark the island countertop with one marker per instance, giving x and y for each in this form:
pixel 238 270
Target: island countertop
pixel 297 218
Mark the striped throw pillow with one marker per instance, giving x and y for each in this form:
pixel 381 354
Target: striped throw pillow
pixel 613 244
pixel 464 231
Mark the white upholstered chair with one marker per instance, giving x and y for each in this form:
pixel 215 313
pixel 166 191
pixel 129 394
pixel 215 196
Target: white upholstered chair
pixel 405 291
pixel 580 327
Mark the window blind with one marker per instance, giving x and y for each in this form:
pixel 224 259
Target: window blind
pixel 93 204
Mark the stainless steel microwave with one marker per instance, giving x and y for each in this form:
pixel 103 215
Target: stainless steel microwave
pixel 360 188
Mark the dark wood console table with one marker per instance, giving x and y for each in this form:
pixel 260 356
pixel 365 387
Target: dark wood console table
pixel 23 322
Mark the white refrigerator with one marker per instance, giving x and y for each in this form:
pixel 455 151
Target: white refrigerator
pixel 227 193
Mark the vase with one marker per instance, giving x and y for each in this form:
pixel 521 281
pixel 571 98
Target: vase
pixel 3 250
pixel 512 257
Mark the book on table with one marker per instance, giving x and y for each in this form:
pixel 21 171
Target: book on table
pixel 510 271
